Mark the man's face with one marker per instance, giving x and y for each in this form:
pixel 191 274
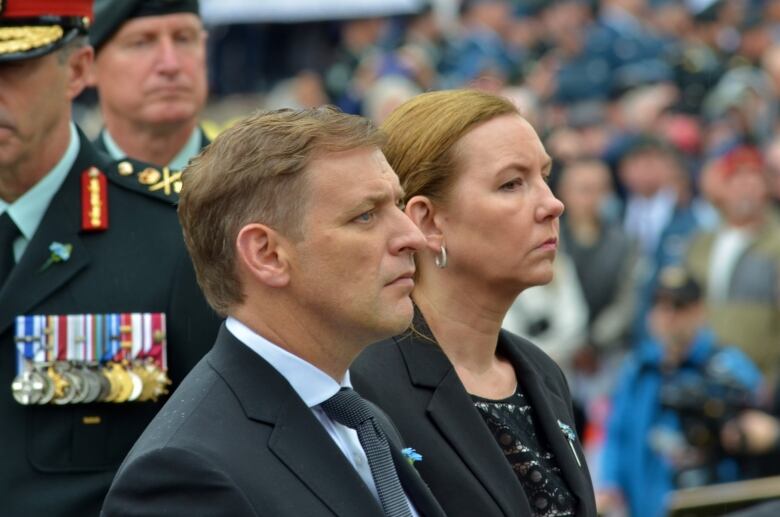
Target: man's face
pixel 745 196
pixel 34 101
pixel 153 70
pixel 353 270
pixel 675 325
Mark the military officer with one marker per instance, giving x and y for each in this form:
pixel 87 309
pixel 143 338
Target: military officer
pixel 150 72
pixel 99 308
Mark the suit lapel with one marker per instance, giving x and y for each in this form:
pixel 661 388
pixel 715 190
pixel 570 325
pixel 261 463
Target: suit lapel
pixel 550 410
pixel 415 488
pixel 28 285
pixel 470 438
pixel 298 439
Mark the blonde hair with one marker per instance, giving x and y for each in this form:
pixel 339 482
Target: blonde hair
pixel 423 132
pixel 254 172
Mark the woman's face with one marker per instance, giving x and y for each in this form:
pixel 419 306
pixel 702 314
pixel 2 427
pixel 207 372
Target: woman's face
pixel 500 221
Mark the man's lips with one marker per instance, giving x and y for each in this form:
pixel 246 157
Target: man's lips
pixel 406 278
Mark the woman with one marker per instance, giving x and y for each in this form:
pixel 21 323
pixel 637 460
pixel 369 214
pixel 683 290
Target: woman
pixel 489 412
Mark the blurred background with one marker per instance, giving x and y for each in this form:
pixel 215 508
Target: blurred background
pixel 662 120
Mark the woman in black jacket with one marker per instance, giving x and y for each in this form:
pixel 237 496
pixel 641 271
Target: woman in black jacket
pixel 488 411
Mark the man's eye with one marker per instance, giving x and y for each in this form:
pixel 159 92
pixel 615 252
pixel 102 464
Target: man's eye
pixel 365 217
pixel 137 43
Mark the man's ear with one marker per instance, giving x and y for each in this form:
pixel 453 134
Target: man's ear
pixel 423 213
pixel 80 64
pixel 262 254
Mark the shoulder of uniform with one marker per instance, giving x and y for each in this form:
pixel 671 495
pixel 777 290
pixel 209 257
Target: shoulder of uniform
pixel 158 183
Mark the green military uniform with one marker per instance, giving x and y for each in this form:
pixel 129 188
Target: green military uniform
pixel 197 141
pixel 109 17
pixel 125 254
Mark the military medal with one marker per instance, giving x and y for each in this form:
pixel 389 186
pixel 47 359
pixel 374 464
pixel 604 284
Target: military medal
pixel 49 388
pixel 85 358
pixel 28 387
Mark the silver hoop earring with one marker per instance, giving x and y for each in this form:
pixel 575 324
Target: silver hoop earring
pixel 441 258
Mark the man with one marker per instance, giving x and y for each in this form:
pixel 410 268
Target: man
pixel 293 222
pixel 150 72
pixel 662 432
pixel 78 239
pixel 739 263
pixel 661 214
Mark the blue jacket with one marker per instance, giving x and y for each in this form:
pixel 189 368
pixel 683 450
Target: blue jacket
pixel 629 463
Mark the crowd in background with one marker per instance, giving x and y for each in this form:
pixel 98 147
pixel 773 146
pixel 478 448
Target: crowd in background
pixel 660 117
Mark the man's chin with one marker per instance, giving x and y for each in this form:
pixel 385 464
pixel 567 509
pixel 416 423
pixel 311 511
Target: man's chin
pixel 170 113
pixel 403 315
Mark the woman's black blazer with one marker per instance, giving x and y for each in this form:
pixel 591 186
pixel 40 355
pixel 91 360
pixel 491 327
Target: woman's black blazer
pixel 413 381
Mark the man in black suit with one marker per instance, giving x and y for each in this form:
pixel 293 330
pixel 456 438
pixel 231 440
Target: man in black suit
pixel 292 219
pixel 80 237
pixel 150 72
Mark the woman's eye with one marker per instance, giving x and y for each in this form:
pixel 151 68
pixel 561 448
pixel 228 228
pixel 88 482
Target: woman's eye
pixel 511 185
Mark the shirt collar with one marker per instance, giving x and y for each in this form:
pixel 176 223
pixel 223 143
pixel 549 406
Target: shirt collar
pixel 310 383
pixel 190 149
pixel 28 211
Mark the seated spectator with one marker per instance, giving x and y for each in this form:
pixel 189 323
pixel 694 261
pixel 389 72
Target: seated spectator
pixel 657 414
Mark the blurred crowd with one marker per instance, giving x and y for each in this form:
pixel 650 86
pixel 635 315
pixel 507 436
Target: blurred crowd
pixel 661 119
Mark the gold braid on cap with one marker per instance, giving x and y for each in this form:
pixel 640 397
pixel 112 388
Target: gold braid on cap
pixel 22 39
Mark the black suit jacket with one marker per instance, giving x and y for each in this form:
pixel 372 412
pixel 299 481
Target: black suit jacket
pixel 236 439
pixel 51 461
pixel 412 380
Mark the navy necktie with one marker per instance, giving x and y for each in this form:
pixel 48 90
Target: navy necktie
pixel 350 409
pixel 8 234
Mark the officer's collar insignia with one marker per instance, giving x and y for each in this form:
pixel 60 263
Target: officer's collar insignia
pixel 94 200
pixel 165 181
pixel 125 168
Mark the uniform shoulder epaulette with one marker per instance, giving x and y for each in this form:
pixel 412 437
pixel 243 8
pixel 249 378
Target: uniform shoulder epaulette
pixel 159 183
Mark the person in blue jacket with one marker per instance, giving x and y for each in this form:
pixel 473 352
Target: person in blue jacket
pixel 659 402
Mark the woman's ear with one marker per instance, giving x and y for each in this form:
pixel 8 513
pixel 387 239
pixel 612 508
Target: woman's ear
pixel 262 254
pixel 422 212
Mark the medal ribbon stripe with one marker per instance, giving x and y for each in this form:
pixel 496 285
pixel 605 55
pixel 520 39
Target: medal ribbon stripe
pixel 39 345
pixel 60 334
pixel 73 334
pixel 137 336
pixel 20 345
pixel 113 343
pixel 126 336
pixel 88 334
pixel 147 338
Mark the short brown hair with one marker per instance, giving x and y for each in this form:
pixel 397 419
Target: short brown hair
pixel 253 172
pixel 423 131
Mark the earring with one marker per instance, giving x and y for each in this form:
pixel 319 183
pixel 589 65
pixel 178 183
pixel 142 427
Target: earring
pixel 441 258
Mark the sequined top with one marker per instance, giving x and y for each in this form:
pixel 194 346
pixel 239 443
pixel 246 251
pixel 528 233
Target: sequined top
pixel 512 424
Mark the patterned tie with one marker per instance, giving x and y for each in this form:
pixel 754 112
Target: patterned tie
pixel 8 234
pixel 348 408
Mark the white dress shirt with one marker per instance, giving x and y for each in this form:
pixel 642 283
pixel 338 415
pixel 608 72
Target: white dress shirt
pixel 314 387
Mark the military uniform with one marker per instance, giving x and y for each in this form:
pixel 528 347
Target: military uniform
pixel 120 252
pixel 198 141
pixel 110 15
